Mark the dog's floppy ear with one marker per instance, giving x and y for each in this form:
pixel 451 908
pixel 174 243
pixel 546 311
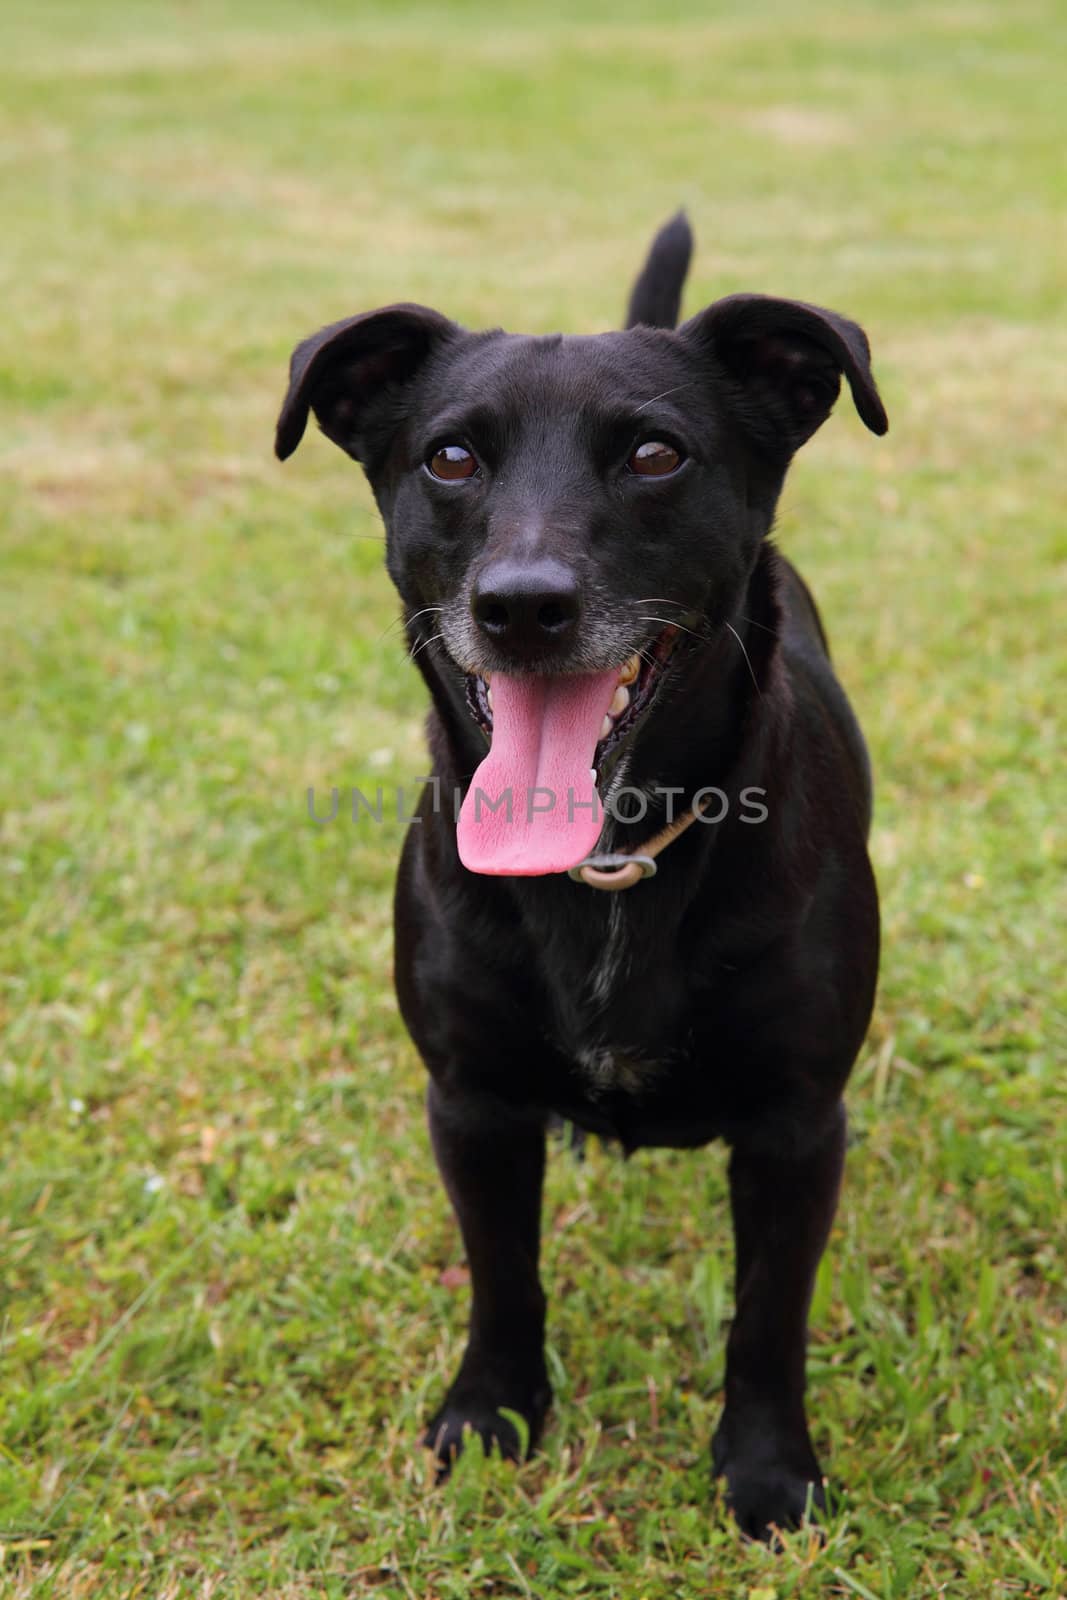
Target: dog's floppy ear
pixel 341 371
pixel 784 361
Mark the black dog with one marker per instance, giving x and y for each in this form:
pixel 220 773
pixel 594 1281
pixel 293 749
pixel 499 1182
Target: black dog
pixel 578 531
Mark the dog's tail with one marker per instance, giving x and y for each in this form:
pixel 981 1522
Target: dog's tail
pixel 656 297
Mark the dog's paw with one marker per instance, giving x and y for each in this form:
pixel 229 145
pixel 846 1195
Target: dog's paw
pixel 769 1491
pixel 470 1411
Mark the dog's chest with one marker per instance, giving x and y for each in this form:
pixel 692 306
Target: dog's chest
pixel 614 1018
pixel 605 1068
pixel 614 958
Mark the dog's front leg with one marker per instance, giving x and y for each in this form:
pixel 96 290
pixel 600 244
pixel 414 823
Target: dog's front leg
pixel 782 1209
pixel 492 1161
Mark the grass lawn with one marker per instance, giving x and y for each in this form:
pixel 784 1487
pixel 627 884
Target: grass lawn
pixel 230 1286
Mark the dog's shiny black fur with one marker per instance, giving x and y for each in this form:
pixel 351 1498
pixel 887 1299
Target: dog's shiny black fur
pixel 727 996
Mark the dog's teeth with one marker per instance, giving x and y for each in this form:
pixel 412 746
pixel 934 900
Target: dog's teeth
pixel 628 672
pixel 606 726
pixel 489 698
pixel 592 774
pixel 620 700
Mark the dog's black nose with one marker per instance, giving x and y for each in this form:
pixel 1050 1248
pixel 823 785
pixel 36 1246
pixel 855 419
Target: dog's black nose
pixel 530 607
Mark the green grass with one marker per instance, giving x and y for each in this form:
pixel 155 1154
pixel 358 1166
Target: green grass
pixel 224 1256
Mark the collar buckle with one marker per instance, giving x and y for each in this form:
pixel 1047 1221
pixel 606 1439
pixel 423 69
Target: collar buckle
pixel 612 870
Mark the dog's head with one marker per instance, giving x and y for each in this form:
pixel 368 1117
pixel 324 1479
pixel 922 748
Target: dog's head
pixel 562 511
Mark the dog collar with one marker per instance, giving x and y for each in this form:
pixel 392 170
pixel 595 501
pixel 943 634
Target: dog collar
pixel 613 870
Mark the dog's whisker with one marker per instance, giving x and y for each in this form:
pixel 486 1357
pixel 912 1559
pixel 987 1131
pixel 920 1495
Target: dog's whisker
pixel 433 637
pixel 403 621
pixel 772 631
pixel 663 395
pixel 647 617
pixel 748 663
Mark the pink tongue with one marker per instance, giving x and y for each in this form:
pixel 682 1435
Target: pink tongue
pixel 548 815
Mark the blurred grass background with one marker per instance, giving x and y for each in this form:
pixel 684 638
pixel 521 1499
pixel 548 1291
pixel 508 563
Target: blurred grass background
pixel 228 1285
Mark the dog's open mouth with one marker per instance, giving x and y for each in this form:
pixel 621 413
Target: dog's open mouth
pixel 637 683
pixel 533 806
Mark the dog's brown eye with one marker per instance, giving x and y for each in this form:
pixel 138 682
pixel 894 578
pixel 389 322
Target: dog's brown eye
pixel 452 462
pixel 654 459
